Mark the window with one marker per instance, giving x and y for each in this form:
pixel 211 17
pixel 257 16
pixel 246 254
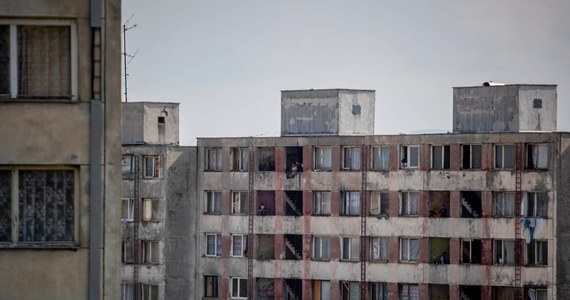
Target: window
pixel 505 156
pixel 409 203
pixel 149 292
pixel 213 245
pixel 150 210
pixel 378 290
pixel 213 202
pixel 266 158
pixel 322 159
pixel 150 252
pixel 321 248
pixel 503 293
pixel 504 252
pixel 504 204
pixel 128 252
pixel 537 103
pixel 240 159
pixel 45 211
pixel 210 286
pixel 350 248
pixel 440 157
pixel 349 290
pixel 536 293
pixel 409 249
pixel 213 159
pixel 351 158
pixel 322 203
pixel 380 158
pixel 239 245
pixel 239 202
pixel 39 59
pixel 350 204
pixel 409 292
pixel 379 203
pixel 128 162
pixel 128 291
pixel 238 288
pixel 128 210
pixel 410 157
pixel 379 249
pixel 537 253
pixel 470 251
pixel 321 290
pixel 471 157
pixel 151 166
pixel 535 205
pixel 537 156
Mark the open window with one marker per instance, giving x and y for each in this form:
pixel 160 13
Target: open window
pixel 439 204
pixel 349 290
pixel 505 156
pixel 240 200
pixel 471 157
pixel 471 204
pixel 293 203
pixel 470 251
pixel 266 203
pixel 535 205
pixel 266 157
pixel 379 203
pixel 470 291
pixel 440 157
pixel 503 293
pixel 536 292
pixel 293 289
pixel 537 156
pixel 438 291
pixel 409 157
pixel 293 161
pixel 322 160
pixel 293 246
pixel 265 289
pixel 351 158
pixel 504 252
pixel 381 158
pixel 265 246
pixel 240 159
pixel 537 253
pixel 439 251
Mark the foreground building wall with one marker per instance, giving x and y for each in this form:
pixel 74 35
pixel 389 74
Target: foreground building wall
pixel 59 163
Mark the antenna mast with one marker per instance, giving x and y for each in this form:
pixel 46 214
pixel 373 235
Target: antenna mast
pixel 126 28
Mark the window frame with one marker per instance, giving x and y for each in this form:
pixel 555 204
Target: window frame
pixel 130 214
pixel 242 159
pixel 351 158
pixel 147 291
pixel 408 257
pixel 530 151
pixel 215 286
pixel 319 252
pixel 128 252
pixel 535 198
pixel 239 291
pixel 352 242
pixel 378 197
pixel 406 153
pixel 347 202
pixel 408 207
pixel 471 155
pixel 377 160
pixel 378 290
pixel 217 245
pixel 211 198
pixel 130 286
pixel 538 249
pixel 502 165
pixel 155 171
pixel 322 287
pixel 154 210
pixel 150 252
pixel 243 250
pixel 509 260
pixel 470 241
pixel 445 157
pixel 213 159
pixel 73 57
pixel 408 287
pixel 320 161
pixel 346 288
pixel 383 252
pixel 128 160
pixel 320 202
pixel 500 209
pixel 242 203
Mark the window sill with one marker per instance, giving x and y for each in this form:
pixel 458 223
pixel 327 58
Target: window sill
pixel 380 170
pixel 40 246
pixel 319 259
pixel 217 171
pixel 212 213
pixel 411 262
pixel 349 216
pixel 321 215
pixel 321 170
pixel 39 100
pixel 379 261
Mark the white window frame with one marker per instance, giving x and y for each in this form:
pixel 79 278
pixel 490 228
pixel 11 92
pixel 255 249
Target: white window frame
pixel 375 207
pixel 503 204
pixel 154 171
pixel 351 158
pixel 378 158
pixel 348 208
pixel 536 251
pixel 538 151
pixel 322 159
pixel 443 149
pixel 239 202
pixel 507 259
pixel 407 256
pixel 150 252
pixel 217 240
pixel 239 295
pixel 14 23
pixel 382 244
pixel 213 159
pixel 242 159
pixel 537 293
pixel 130 206
pixel 406 153
pixel 147 291
pixel 322 203
pixel 320 251
pixel 535 199
pixel 471 155
pixel 405 199
pixel 352 253
pixel 242 244
pixel 213 202
pixel 500 164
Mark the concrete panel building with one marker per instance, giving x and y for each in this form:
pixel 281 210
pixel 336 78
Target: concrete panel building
pixel 60 154
pixel 474 214
pixel 158 205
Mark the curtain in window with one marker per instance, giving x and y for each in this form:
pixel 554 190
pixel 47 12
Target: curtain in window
pixel 354 203
pixel 355 163
pixel 5 205
pixel 237 246
pixel 375 203
pixel 414 249
pixel 128 292
pixel 378 291
pixel 327 158
pixel 44 61
pixel 509 251
pixel 541 205
pixel 354 291
pixel 385 158
pixel 379 249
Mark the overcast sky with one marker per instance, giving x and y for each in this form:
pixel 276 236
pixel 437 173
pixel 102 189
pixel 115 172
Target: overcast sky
pixel 227 61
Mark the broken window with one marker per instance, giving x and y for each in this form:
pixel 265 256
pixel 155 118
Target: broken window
pixel 128 210
pixel 439 203
pixel 213 245
pixel 293 203
pixel 504 252
pixel 128 162
pixel 128 291
pixel 350 204
pixel 322 159
pixel 266 203
pixel 211 286
pixel 266 157
pixel 379 249
pixel 351 158
pixel 471 157
pixel 350 249
pixel 265 246
pixel 240 159
pixel 410 157
pixel 536 292
pixel 321 290
pixel 321 248
pixel 537 253
pixel 438 291
pixel 440 157
pixel 537 156
pixel 45 66
pixel 213 202
pixel 150 252
pixel 409 292
pixel 265 289
pixel 213 160
pixel 293 246
pixel 45 210
pixel 379 203
pixel 150 210
pixel 471 204
pixel 535 205
pixel 470 251
pixel 239 202
pixel 239 245
pixel 409 203
pixel 294 161
pixel 149 291
pixel 151 166
pixel 378 290
pixel 321 203
pixel 439 251
pixel 471 291
pixel 504 204
pixel 238 288
pixel 505 156
pixel 128 250
pixel 503 293
pixel 409 249
pixel 349 290
pixel 381 158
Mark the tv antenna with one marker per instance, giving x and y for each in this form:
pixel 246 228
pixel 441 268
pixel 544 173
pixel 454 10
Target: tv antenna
pixel 127 27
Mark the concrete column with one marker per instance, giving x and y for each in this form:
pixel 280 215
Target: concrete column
pixel 393 249
pixel 393 291
pixel 335 203
pixel 307 158
pixel 424 291
pixel 424 250
pixel 454 250
pixel 280 159
pixel 486 292
pixel 307 290
pixel 279 246
pixel 454 292
pixel 226 202
pixel 335 153
pixel 279 203
pixel 226 159
pixel 226 244
pixel 487 204
pixel 394 161
pixel 425 151
pixel 335 290
pixel 278 288
pixel 225 289
pixel 335 247
pixel 394 203
pixel 307 247
pixel 454 157
pixel 455 204
pixel 307 202
pixel 487 153
pixel 424 205
pixel 486 252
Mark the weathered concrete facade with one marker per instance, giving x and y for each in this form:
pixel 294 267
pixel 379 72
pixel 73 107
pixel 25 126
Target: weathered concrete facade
pixel 60 151
pixel 151 123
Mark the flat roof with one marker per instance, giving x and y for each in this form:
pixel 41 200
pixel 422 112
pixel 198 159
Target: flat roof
pixel 335 89
pixel 514 84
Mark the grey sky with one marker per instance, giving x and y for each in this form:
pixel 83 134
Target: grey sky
pixel 227 61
